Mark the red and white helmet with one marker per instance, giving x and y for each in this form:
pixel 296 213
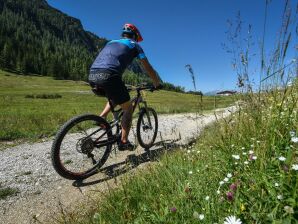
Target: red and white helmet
pixel 132 29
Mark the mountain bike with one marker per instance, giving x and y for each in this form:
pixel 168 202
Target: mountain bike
pixel 84 143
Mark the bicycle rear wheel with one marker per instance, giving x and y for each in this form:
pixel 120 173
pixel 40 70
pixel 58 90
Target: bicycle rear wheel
pixel 147 127
pixel 75 154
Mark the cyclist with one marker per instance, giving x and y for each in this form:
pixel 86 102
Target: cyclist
pixel 106 72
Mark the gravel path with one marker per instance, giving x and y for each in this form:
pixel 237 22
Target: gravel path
pixel 42 192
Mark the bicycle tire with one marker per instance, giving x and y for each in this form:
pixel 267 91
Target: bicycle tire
pixel 56 151
pixel 141 124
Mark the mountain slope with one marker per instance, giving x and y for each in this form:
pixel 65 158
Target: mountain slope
pixel 36 38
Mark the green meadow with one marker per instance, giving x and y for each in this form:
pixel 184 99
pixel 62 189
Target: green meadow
pixel 33 107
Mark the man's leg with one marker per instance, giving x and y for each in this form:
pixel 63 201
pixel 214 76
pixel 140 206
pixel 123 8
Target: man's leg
pixel 126 120
pixel 106 110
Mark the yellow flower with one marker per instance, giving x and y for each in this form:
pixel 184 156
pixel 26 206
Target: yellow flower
pixel 242 207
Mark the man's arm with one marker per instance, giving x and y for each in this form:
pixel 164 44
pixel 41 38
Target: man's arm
pixel 150 71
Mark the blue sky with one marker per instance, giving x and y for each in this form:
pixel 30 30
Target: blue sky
pixel 178 32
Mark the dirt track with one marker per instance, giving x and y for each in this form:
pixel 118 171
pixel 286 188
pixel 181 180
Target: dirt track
pixel 28 168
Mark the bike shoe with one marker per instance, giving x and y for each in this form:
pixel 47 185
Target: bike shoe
pixel 126 146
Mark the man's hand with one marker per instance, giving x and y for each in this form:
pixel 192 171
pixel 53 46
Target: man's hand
pixel 151 72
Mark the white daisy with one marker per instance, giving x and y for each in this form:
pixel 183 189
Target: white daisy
pixel 229 175
pixel 292 133
pixel 254 157
pixel 236 157
pixel 201 217
pixel 232 220
pixel 226 179
pixel 295 167
pixel 281 158
pixel 250 152
pixel 294 139
pixel 221 183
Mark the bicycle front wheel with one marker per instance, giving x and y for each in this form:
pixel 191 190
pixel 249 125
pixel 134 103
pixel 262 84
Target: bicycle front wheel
pixel 75 152
pixel 147 127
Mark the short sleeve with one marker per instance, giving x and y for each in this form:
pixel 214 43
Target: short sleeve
pixel 141 54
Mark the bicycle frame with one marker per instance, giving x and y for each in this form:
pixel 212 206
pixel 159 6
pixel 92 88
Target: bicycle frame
pixel 117 115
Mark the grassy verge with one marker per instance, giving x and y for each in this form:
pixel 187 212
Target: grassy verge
pixel 245 166
pixel 33 107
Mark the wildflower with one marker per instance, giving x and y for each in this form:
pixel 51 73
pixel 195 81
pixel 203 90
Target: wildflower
pixel 221 183
pixel 233 187
pixel 188 151
pixel 229 175
pixel 226 179
pixel 173 209
pixel 244 153
pixel 218 192
pixel 230 196
pixel 281 158
pixel 246 162
pixel 236 157
pixel 295 167
pixel 285 168
pixel 279 197
pixel 187 189
pixel 292 133
pixel 207 198
pixel 232 146
pixel 242 148
pixel 232 220
pixel 242 207
pixel 276 185
pixel 252 146
pixel 190 172
pixel 289 209
pixel 250 152
pixel 198 216
pixel 258 141
pixel 294 139
pixel 254 157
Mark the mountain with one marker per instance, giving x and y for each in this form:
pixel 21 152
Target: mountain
pixel 37 38
pixel 212 93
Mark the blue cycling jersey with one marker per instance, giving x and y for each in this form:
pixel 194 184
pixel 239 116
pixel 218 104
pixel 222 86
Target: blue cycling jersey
pixel 117 55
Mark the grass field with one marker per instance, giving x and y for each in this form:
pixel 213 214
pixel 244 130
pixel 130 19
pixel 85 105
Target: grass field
pixel 27 112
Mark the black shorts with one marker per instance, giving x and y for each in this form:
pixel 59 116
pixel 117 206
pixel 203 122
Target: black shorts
pixel 113 86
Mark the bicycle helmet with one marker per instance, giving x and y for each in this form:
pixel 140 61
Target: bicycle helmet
pixel 132 29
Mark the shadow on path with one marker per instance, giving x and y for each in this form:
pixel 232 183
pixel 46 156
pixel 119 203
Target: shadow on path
pixel 131 162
